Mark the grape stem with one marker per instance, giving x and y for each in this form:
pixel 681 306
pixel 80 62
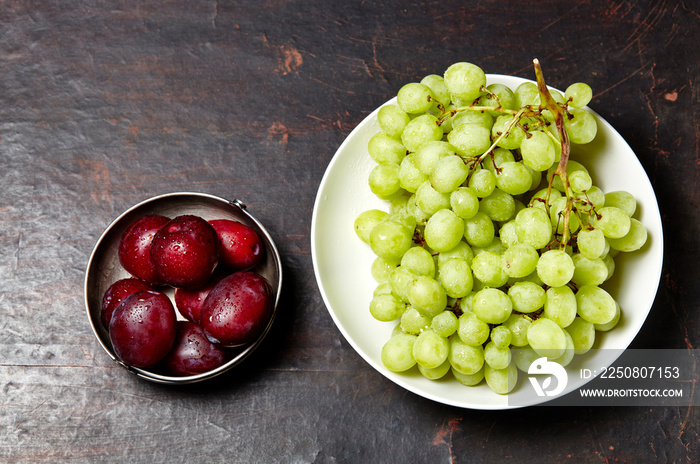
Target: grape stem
pixel 547 102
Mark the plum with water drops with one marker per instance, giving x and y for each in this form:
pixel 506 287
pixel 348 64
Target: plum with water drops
pixel 189 302
pixel 142 329
pixel 116 293
pixel 192 353
pixel 185 251
pixel 237 309
pixel 135 247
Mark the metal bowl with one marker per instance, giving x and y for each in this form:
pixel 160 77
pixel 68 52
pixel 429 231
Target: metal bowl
pixel 104 269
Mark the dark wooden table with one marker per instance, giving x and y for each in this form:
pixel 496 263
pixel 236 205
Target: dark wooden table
pixel 104 104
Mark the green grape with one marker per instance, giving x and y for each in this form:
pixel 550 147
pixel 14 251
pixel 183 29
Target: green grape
pixel 487 267
pixel 569 351
pixel 392 120
pixel 580 181
pixel 465 304
pixel 410 177
pixel 449 173
pixel 560 306
pixel 444 230
pixel 382 268
pixel 509 234
pixel 518 325
pixel 390 240
pixel 593 196
pixel 472 330
pixel 464 81
pixel 526 94
pixel 445 323
pixel 482 182
pixel 435 373
pixel 612 221
pixel 464 358
pixel 557 95
pixel 536 179
pixel 464 202
pixel 500 96
pixel 580 125
pixel 622 200
pixel 413 322
pixel 384 180
pixel 385 150
pixel 556 215
pixel 496 246
pixel 588 271
pixel 534 278
pixel 473 117
pixel 400 280
pixel 534 227
pixel 436 84
pixel 492 306
pixel 427 296
pixel 397 330
pixel 526 297
pixel 520 260
pixel 462 251
pixel 366 220
pixel 497 357
pixel 595 304
pixel 404 217
pixel 501 336
pixel 430 349
pixel 506 134
pixel 582 333
pixel 524 357
pixel 571 167
pixel 537 151
pixel 419 260
pixel 610 263
pixel 456 277
pixel 499 206
pixel 479 230
pixel 546 338
pixel 430 200
pixel 420 216
pixel 386 308
pixel 633 240
pixel 397 353
pixel 422 129
pixel 591 243
pixel 397 204
pixel 428 155
pixel 382 288
pixel 470 139
pixel 578 94
pixel 501 381
pixel 469 380
pixel 415 98
pixel 555 268
pixel 610 325
pixel 543 200
pixel 497 157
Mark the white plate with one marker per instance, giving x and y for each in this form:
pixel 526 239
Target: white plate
pixel 342 262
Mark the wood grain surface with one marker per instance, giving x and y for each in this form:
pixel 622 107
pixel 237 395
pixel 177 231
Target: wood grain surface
pixel 106 103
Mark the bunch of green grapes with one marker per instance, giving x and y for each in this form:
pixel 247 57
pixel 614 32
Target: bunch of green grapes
pixel 493 239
